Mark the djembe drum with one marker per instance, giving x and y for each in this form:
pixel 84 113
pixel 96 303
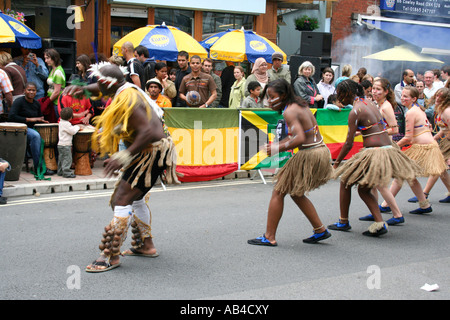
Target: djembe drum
pixel 82 151
pixel 13 145
pixel 49 133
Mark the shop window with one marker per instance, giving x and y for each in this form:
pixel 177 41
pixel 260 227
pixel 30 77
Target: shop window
pixel 121 26
pixel 182 19
pixel 214 22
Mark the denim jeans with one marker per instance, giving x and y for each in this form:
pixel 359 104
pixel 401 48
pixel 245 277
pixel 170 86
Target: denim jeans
pixel 2 181
pixel 34 141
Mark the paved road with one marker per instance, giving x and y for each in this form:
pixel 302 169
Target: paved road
pixel 201 232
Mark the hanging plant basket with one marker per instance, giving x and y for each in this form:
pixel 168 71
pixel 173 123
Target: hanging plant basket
pixel 306 23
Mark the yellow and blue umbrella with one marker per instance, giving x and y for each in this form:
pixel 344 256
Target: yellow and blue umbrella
pixel 163 42
pixel 240 45
pixel 14 33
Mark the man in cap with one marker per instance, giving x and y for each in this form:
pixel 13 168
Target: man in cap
pixel 278 71
pixel 154 89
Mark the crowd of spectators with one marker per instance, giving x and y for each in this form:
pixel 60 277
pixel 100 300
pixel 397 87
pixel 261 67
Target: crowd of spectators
pixel 31 87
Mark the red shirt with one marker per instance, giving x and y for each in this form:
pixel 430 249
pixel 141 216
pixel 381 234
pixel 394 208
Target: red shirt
pixel 78 106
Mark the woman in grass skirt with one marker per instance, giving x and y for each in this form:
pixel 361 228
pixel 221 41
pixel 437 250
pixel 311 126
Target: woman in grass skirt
pixel 375 165
pixel 428 154
pixel 307 170
pixel 384 97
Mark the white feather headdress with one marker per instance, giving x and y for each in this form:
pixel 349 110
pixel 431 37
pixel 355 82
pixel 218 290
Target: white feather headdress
pixel 106 80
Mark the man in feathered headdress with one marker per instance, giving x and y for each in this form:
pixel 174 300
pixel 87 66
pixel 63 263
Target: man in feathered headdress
pixel 133 118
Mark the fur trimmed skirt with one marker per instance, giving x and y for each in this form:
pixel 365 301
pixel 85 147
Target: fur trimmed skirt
pixel 307 170
pixel 444 145
pixel 429 157
pixel 372 167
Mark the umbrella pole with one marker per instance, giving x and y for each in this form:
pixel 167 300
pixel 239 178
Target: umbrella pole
pixel 401 74
pixel 96 31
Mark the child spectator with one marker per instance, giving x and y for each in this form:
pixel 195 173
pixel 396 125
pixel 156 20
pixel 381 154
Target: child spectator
pixel 335 105
pixel 66 132
pixel 4 165
pixel 253 100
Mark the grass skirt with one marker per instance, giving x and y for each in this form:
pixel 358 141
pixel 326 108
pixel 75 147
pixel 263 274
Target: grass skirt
pixel 429 157
pixel 372 167
pixel 307 170
pixel 444 145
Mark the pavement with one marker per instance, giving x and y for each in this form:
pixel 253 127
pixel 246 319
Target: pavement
pixel 27 185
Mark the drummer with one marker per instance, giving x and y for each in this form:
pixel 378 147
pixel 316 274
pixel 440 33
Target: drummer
pixel 27 110
pixel 83 110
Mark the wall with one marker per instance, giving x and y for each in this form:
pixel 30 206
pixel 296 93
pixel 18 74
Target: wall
pixel 341 23
pixel 289 37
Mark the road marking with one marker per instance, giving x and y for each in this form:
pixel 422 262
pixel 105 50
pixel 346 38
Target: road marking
pixel 35 200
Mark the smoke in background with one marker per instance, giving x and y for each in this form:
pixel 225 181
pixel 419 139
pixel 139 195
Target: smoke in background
pixel 363 42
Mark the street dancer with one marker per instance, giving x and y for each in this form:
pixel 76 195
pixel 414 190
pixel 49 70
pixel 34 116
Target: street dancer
pixel 441 100
pixel 375 165
pixel 384 98
pixel 307 170
pixel 136 120
pixel 424 149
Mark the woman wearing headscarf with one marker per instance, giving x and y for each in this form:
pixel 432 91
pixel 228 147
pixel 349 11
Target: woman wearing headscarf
pixel 259 73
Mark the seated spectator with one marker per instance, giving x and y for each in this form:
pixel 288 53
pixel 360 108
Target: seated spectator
pixel 4 165
pixel 154 87
pixel 253 100
pixel 16 74
pixel 27 110
pixel 335 105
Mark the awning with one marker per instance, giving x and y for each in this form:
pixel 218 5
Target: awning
pixel 432 37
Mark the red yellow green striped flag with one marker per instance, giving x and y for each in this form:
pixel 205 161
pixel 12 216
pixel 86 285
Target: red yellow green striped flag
pixel 206 141
pixel 333 127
